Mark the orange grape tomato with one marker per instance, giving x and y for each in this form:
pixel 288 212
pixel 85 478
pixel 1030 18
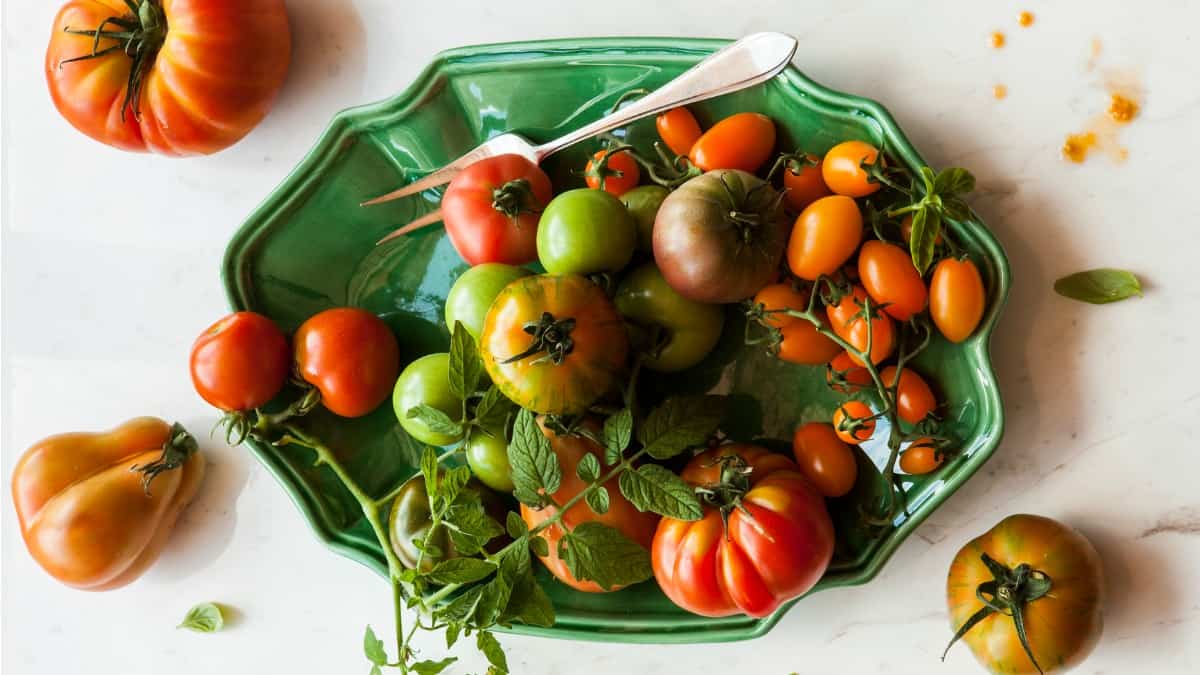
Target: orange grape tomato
pixel 914 398
pixel 803 344
pixel 843 172
pixel 824 459
pixel 805 187
pixel 778 297
pixel 887 272
pixel 622 173
pixel 679 129
pixel 920 457
pixel 824 237
pixel 998 39
pixel 845 415
pixel 844 377
pixel 741 141
pixel 956 298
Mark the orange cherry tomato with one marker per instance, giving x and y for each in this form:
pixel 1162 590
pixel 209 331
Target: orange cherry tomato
pixel 742 141
pixel 803 344
pixel 842 168
pixel 679 129
pixel 781 296
pixel 805 187
pixel 906 231
pixel 620 175
pixel 887 272
pixel 920 458
pixel 914 398
pixel 956 298
pixel 824 237
pixel 848 323
pixel 844 377
pixel 824 459
pixel 351 356
pixel 844 419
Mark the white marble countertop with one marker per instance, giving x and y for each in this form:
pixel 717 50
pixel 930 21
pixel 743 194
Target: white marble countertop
pixel 110 269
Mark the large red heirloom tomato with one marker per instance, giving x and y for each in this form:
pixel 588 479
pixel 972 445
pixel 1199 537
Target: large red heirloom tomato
pixel 775 545
pixel 176 77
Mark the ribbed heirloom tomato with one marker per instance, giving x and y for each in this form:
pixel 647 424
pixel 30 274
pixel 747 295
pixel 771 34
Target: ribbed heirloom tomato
pixel 775 546
pixel 240 362
pixel 491 210
pixel 554 343
pixel 351 356
pixel 176 77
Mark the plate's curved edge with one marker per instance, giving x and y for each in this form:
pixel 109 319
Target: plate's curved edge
pixel 347 122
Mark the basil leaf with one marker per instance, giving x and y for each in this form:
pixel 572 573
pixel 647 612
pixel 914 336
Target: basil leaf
pixel 603 554
pixel 465 366
pixel 953 181
pixel 928 179
pixel 650 487
pixel 205 617
pixel 487 643
pixel 432 667
pixel 926 226
pixel 493 410
pixel 597 500
pixel 437 421
pixel 956 209
pixel 515 526
pixel 534 465
pixel 617 432
pixel 1099 286
pixel 588 468
pixel 461 571
pixel 680 423
pixel 373 648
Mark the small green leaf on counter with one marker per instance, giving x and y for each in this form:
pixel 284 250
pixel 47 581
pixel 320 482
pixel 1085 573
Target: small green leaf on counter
pixel 465 366
pixel 588 468
pixel 598 499
pixel 650 487
pixel 432 667
pixel 604 555
pixel 205 617
pixel 1099 286
pixel 487 643
pixel 535 467
pixel 437 421
pixel 373 648
pixel 461 571
pixel 617 432
pixel 680 423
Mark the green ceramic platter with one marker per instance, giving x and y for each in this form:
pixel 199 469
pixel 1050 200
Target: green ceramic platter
pixel 310 247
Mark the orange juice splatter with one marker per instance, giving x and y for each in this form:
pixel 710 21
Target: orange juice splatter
pixel 999 91
pixel 1077 146
pixel 1122 109
pixel 997 39
pixel 1025 19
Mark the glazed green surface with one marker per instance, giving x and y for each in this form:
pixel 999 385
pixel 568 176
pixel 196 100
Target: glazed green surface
pixel 309 247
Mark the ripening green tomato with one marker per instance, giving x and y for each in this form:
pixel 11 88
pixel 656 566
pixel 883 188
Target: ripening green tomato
pixel 691 328
pixel 488 458
pixel 474 291
pixel 426 380
pixel 585 231
pixel 643 203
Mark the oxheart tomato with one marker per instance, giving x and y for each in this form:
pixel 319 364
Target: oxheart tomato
pixel 554 343
pixel 775 547
pixel 887 273
pixel 176 77
pixel 426 381
pixel 719 237
pixel 351 356
pixel 689 329
pixel 825 235
pixel 1036 571
pixel 491 210
pixel 638 526
pixel 956 298
pixel 585 231
pixel 473 292
pixel 86 518
pixel 741 141
pixel 240 362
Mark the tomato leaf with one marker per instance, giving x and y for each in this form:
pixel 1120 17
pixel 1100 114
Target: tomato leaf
pixel 487 643
pixel 540 546
pixel 1099 286
pixel 513 562
pixel 453 631
pixel 953 181
pixel 429 471
pixel 617 432
pixel 493 410
pixel 461 571
pixel 470 527
pixel 432 667
pixel 437 421
pixel 597 552
pixel 465 366
pixel 528 602
pixel 462 607
pixel 680 423
pixel 650 487
pixel 597 500
pixel 926 227
pixel 375 670
pixel 373 648
pixel 588 468
pixel 535 467
pixel 956 209
pixel 205 617
pixel 515 526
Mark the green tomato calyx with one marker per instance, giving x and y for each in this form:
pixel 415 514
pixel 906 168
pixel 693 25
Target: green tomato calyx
pixel 514 198
pixel 726 494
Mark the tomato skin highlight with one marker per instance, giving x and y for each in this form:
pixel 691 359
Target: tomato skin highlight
pixel 742 141
pixel 842 169
pixel 805 187
pixel 240 362
pixel 914 399
pixel 824 237
pixel 956 298
pixel 616 185
pixel 217 74
pixel 851 410
pixel 824 459
pixel 678 129
pixel 483 233
pixel 351 356
pixel 887 273
pixel 774 551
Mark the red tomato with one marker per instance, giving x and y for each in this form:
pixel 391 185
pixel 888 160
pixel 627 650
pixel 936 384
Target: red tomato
pixel 844 422
pixel 888 274
pixel 743 141
pixel 240 362
pixel 351 356
pixel 620 175
pixel 678 129
pixel 212 71
pixel 824 237
pixel 848 323
pixel 844 377
pixel 842 168
pixel 805 187
pixel 914 398
pixel 491 210
pixel 956 298
pixel 774 548
pixel 824 459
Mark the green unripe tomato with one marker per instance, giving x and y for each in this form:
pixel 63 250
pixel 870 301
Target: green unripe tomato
pixel 488 458
pixel 585 231
pixel 473 292
pixel 691 328
pixel 643 202
pixel 426 380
